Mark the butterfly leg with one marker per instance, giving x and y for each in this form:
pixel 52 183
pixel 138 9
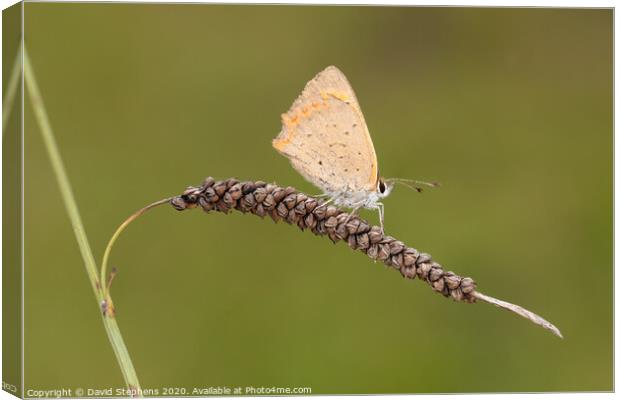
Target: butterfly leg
pixel 320 196
pixel 381 210
pixel 330 200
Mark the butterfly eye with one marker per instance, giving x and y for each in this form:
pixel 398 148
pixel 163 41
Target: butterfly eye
pixel 381 187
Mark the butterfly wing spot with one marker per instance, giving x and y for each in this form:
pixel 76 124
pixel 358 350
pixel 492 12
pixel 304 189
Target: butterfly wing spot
pixel 320 162
pixel 296 114
pixel 346 132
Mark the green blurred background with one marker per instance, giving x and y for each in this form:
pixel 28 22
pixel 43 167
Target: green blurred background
pixel 510 109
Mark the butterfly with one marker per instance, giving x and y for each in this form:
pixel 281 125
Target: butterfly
pixel 326 139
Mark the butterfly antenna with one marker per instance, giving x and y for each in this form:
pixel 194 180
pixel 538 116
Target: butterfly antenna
pixel 413 183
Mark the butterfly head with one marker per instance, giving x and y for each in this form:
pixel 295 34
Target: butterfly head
pixel 384 188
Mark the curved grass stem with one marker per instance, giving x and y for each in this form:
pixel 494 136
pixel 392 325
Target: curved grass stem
pixel 119 230
pixel 109 322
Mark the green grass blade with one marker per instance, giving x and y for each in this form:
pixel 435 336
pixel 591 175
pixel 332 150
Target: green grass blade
pixel 109 321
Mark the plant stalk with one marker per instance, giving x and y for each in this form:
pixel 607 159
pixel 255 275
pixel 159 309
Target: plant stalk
pixel 119 230
pixel 109 321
